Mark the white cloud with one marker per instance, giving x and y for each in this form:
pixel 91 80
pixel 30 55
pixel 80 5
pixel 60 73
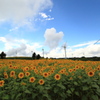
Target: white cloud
pixel 50 10
pixel 20 46
pixel 20 51
pixel 11 43
pixel 23 47
pixel 24 50
pixel 3 39
pixel 15 28
pixel 88 49
pixel 52 38
pixel 56 53
pixel 22 12
pixel 84 44
pixel 45 16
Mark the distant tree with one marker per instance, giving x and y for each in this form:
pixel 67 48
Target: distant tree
pixel 34 56
pixel 38 56
pixel 46 57
pixel 2 55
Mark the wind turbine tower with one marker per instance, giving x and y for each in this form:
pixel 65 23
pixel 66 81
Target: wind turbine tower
pixel 43 52
pixel 64 46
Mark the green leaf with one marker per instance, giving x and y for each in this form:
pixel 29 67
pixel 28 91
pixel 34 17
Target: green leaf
pixel 69 92
pixel 27 91
pixel 34 95
pixel 63 95
pixel 72 89
pixel 94 97
pixel 95 86
pixel 41 88
pixel 98 90
pixel 75 83
pixel 46 95
pixel 47 88
pixel 84 81
pixel 84 97
pixel 6 97
pixel 61 86
pixel 18 95
pixel 55 90
pixel 85 88
pixel 77 93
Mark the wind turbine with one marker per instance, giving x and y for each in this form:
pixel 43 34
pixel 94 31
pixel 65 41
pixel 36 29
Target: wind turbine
pixel 43 52
pixel 64 46
pixel 96 41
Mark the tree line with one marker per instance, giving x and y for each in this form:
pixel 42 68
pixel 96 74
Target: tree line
pixel 34 56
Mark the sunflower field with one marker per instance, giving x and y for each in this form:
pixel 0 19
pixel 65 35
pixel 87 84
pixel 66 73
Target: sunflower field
pixel 49 79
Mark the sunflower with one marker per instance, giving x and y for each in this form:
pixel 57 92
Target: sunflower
pixel 15 77
pixel 10 66
pixel 36 71
pixel 49 73
pixel 23 83
pixel 45 74
pixel 5 73
pixel 70 70
pixel 32 79
pixel 82 67
pixel 62 71
pixel 6 76
pixel 31 68
pixel 80 77
pixel 57 77
pixel 27 73
pixel 34 67
pixel 98 68
pixel 1 83
pixel 21 75
pixel 74 69
pixel 71 78
pixel 26 68
pixel 99 74
pixel 41 81
pixel 77 67
pixel 90 73
pixel 12 73
pixel 66 73
pixel 52 71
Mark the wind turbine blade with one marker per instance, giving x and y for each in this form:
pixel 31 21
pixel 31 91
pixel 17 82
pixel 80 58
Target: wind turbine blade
pixel 96 41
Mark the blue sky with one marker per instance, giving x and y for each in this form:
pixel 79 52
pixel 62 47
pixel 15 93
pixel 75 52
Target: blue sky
pixel 27 26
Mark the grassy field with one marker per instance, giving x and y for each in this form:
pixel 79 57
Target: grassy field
pixel 48 79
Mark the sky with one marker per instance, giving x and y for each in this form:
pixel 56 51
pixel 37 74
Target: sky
pixel 28 26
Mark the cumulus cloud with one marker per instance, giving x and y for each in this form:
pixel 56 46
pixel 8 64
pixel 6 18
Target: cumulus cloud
pixel 24 50
pixel 19 47
pixel 3 39
pixel 88 49
pixel 15 28
pixel 84 44
pixel 45 16
pixel 10 43
pixel 52 38
pixel 22 47
pixel 17 51
pixel 22 12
